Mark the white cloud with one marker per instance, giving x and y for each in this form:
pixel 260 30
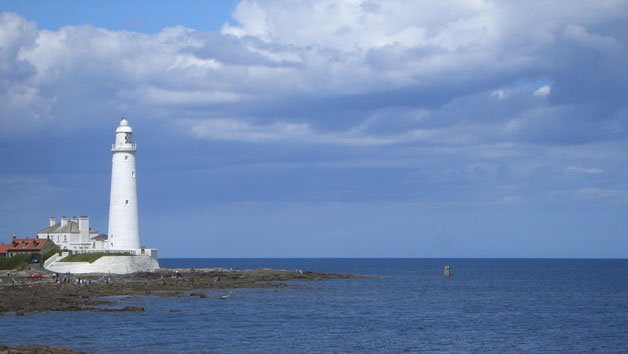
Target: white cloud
pixel 363 25
pixel 364 133
pixel 543 91
pixel 23 110
pixel 299 133
pixel 357 56
pixel 253 20
pixel 584 170
pixel 164 97
pixel 500 94
pixel 16 36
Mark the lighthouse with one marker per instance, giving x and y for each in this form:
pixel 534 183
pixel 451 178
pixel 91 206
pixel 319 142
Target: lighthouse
pixel 124 230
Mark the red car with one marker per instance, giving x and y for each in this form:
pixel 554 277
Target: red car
pixel 35 276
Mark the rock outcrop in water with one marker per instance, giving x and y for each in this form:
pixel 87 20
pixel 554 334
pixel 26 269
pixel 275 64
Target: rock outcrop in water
pixel 36 349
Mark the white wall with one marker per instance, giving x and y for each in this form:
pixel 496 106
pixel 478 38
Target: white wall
pixel 109 264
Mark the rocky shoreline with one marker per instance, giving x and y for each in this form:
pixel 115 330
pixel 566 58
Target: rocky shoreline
pixel 85 292
pixel 36 349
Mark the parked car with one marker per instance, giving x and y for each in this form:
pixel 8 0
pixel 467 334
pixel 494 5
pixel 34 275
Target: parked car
pixel 35 276
pixel 35 258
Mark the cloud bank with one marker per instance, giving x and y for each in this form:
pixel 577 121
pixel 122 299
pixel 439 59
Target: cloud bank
pixel 309 63
pixel 501 89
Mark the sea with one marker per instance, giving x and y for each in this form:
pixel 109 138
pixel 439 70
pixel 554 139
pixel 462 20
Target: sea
pixel 487 305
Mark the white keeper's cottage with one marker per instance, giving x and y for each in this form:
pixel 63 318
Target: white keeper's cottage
pixel 74 234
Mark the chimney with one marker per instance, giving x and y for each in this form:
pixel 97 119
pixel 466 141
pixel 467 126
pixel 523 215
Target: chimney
pixel 14 237
pixel 64 220
pixel 83 225
pixel 52 221
pixel 74 219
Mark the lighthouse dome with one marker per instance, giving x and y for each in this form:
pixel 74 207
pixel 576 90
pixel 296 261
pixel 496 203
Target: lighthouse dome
pixel 124 126
pixel 124 137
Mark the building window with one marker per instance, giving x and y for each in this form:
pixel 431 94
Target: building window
pixel 126 202
pixel 133 174
pixel 126 157
pixel 65 238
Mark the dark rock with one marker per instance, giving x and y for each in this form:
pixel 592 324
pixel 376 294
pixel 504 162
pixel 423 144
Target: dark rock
pixel 48 296
pixel 124 309
pixel 37 349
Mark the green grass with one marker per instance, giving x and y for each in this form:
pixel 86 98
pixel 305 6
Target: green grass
pixel 88 257
pixel 49 254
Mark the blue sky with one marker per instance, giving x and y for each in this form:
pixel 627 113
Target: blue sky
pixel 324 128
pixel 138 16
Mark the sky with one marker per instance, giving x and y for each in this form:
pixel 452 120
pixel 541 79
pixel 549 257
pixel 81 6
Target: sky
pixel 323 128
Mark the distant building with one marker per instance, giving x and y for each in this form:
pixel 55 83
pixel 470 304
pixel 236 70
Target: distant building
pixel 73 234
pixel 3 249
pixel 28 245
pixel 99 242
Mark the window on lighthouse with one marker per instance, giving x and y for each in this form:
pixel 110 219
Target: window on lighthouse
pixel 126 202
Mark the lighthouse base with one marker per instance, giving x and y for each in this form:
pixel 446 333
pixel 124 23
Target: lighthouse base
pixel 114 264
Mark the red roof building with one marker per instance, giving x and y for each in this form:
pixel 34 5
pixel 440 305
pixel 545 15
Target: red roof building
pixel 3 249
pixel 28 245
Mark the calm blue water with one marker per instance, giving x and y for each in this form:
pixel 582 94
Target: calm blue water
pixel 500 305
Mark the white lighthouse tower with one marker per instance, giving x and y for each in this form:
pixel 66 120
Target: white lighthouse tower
pixel 124 230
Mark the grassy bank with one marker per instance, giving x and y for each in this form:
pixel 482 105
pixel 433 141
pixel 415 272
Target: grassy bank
pixel 88 257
